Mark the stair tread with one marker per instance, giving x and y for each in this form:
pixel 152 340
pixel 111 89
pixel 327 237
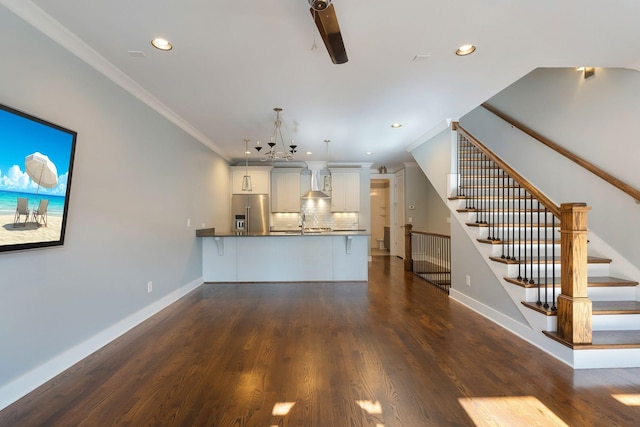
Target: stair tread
pixel 592 282
pixel 556 260
pixel 603 340
pixel 518 242
pixel 597 308
pixel 615 307
pixel 474 187
pixel 463 210
pixel 519 225
pixel 463 197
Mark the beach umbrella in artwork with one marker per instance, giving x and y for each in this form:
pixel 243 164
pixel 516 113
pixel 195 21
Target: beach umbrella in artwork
pixel 41 170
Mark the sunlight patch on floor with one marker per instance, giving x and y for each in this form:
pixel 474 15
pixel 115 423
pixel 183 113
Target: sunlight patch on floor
pixel 280 409
pixel 373 408
pixel 509 411
pixel 627 399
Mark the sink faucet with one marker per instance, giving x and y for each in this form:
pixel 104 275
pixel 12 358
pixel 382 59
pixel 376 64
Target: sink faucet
pixel 302 222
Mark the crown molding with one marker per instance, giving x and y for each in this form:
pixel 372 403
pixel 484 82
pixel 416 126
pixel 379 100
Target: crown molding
pixel 57 32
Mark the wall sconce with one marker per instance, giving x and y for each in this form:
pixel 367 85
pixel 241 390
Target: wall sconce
pixel 588 71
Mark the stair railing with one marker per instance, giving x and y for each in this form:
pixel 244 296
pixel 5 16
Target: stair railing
pixel 619 184
pixel 430 255
pixel 523 222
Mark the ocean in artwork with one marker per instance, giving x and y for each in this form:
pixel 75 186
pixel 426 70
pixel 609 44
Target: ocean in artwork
pixel 9 202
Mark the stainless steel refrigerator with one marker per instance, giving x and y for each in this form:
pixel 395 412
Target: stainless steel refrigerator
pixel 250 213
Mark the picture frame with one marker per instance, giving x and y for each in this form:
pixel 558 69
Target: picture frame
pixel 36 165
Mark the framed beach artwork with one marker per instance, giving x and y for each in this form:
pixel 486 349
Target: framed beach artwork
pixel 36 161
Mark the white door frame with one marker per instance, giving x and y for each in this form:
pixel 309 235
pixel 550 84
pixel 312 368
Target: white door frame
pixel 397 234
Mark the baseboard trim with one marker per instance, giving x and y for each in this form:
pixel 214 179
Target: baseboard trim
pixel 16 389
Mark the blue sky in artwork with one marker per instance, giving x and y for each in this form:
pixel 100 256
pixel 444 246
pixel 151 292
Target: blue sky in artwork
pixel 20 137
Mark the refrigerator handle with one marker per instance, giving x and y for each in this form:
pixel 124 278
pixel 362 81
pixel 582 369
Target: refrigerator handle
pixel 247 225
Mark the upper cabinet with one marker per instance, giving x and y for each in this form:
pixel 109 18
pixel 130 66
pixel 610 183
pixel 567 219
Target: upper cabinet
pixel 285 190
pixel 345 190
pixel 260 181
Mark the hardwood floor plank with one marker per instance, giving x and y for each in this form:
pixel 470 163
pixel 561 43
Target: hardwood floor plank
pixel 392 352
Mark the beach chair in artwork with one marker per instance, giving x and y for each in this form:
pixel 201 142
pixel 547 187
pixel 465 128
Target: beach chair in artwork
pixel 21 209
pixel 40 214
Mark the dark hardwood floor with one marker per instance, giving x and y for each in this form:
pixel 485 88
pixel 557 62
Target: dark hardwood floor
pixel 393 352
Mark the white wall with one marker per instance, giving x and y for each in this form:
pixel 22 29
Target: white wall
pixel 136 180
pixel 596 119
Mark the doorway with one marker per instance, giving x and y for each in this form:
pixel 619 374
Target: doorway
pixel 380 195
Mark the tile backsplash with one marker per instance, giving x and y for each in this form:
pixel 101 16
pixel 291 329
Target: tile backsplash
pixel 318 215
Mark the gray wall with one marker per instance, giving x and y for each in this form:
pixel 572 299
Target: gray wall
pixel 596 119
pixel 435 159
pixel 137 179
pixel 430 213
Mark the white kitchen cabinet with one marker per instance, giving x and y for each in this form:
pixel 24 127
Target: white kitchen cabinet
pixel 345 191
pixel 285 190
pixel 260 179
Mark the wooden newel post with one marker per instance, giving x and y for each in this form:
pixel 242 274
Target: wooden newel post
pixel 574 307
pixel 408 261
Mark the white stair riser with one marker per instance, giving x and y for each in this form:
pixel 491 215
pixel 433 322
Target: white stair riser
pixel 617 293
pixel 501 217
pixel 593 270
pixel 615 322
pixel 612 293
pixel 520 233
pixel 524 251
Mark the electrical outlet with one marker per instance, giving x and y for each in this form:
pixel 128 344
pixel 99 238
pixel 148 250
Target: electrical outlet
pixel 410 220
pixel 149 287
pixel 448 220
pixel 203 225
pixel 468 280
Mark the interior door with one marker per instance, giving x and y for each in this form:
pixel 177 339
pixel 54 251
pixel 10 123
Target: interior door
pixel 398 217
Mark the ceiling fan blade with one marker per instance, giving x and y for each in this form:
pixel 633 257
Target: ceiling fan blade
pixel 327 24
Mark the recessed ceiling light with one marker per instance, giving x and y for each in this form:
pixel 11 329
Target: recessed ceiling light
pixel 162 44
pixel 308 153
pixel 396 125
pixel 466 49
pixel 368 153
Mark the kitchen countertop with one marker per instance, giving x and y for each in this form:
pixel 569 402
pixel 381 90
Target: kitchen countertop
pixel 278 233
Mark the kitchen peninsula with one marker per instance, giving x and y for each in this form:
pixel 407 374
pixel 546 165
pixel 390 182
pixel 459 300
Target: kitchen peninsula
pixel 285 256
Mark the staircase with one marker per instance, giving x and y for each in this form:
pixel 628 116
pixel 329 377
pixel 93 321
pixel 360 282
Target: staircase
pixel 518 229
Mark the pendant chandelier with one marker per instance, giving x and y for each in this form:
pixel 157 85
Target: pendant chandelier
pixel 277 149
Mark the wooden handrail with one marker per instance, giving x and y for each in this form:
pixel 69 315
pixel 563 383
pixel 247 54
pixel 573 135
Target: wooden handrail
pixel 622 186
pixel 546 202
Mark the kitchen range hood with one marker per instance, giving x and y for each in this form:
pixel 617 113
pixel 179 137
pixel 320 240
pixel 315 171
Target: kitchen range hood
pixel 316 181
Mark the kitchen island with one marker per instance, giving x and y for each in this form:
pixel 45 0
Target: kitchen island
pixel 285 256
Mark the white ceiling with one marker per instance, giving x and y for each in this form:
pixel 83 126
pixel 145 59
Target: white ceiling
pixel 233 61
